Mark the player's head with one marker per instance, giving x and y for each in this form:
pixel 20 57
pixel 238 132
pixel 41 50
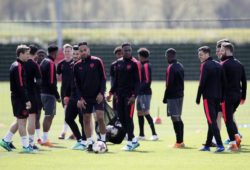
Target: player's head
pixel 67 51
pixel 41 54
pixel 226 49
pixel 143 54
pixel 33 51
pixel 204 53
pixel 218 46
pixel 84 50
pixel 23 52
pixel 127 50
pixel 76 55
pixel 170 54
pixel 118 52
pixel 53 51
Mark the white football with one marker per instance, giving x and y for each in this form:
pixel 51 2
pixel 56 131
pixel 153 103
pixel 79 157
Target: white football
pixel 99 147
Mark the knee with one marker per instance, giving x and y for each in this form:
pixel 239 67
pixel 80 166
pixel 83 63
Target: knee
pixel 140 113
pixel 175 118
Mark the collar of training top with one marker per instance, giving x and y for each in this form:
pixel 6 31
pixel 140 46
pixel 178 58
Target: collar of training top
pixel 227 57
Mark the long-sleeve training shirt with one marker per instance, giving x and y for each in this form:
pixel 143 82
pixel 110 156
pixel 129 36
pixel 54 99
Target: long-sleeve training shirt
pixel 127 77
pixel 33 76
pixel 49 81
pixel 63 68
pixel 174 81
pixel 235 77
pixel 212 80
pixel 146 78
pixel 90 78
pixel 18 86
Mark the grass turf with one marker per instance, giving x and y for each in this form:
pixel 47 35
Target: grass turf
pixel 150 155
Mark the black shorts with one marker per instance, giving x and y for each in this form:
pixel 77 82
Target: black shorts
pixel 91 105
pixel 19 107
pixel 34 104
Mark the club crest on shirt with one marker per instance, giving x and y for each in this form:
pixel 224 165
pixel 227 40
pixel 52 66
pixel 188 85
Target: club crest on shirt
pixel 92 65
pixel 128 67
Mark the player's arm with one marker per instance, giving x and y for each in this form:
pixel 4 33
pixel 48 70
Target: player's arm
pixel 203 78
pixel 103 77
pixel 243 85
pixel 112 74
pixel 147 83
pixel 38 76
pixel 113 86
pixel 21 83
pixel 52 80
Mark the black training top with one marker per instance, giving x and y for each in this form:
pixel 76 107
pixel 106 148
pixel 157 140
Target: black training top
pixel 235 77
pixel 64 69
pixel 127 77
pixel 90 78
pixel 146 78
pixel 212 80
pixel 18 86
pixel 174 81
pixel 33 76
pixel 49 81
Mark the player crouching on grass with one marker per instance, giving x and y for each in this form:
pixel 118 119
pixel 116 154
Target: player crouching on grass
pixel 19 99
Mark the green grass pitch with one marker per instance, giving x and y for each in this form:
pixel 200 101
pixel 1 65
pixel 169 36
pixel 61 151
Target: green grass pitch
pixel 149 156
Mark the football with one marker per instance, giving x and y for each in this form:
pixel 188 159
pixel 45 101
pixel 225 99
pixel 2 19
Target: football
pixel 99 147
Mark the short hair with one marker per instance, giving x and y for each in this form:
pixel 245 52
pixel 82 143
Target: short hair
pixel 21 49
pixel 117 49
pixel 205 49
pixel 144 52
pixel 82 43
pixel 228 46
pixel 218 44
pixel 41 51
pixel 33 49
pixel 67 46
pixel 126 44
pixel 75 47
pixel 52 48
pixel 170 52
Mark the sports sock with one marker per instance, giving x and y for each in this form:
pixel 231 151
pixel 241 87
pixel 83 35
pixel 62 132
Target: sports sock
pixel 38 133
pixel 31 140
pixel 141 125
pixel 8 136
pixel 151 123
pixel 103 137
pixel 181 131
pixel 45 136
pixel 24 141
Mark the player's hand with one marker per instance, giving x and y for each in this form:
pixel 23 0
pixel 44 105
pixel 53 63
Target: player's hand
pixel 131 100
pixel 99 98
pixel 108 98
pixel 242 101
pixel 198 101
pixel 28 105
pixel 81 104
pixel 58 100
pixel 66 100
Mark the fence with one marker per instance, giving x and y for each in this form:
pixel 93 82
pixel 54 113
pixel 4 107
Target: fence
pixel 103 36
